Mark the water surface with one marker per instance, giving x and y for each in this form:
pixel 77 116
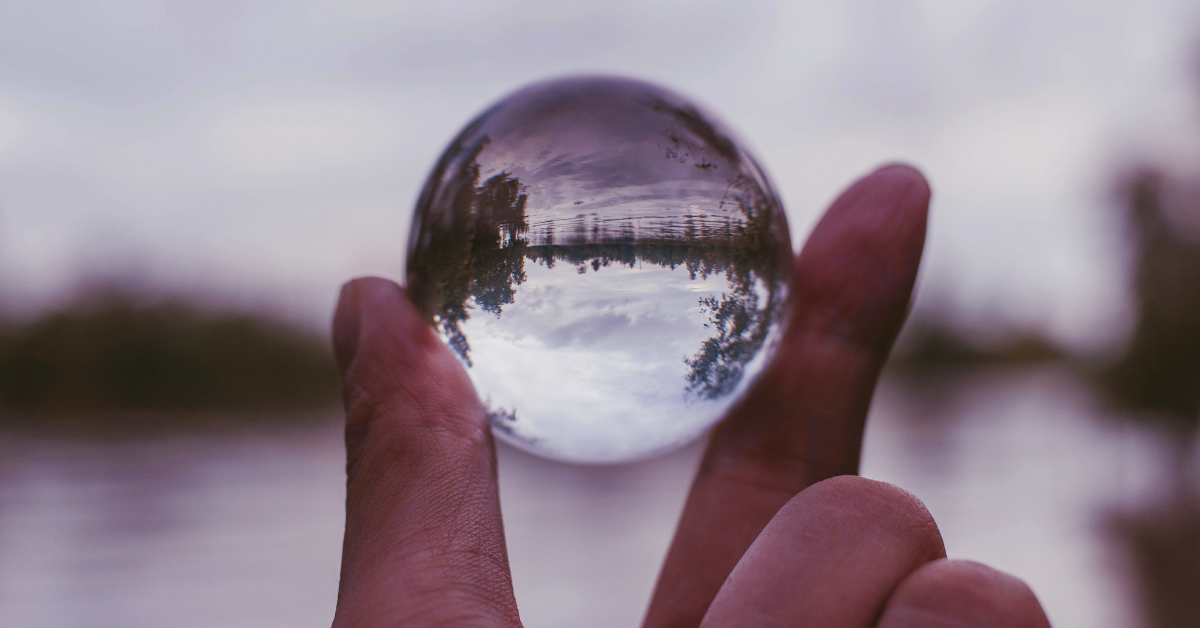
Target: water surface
pixel 243 527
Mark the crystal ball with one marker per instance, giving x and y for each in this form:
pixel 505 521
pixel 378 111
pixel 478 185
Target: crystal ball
pixel 609 263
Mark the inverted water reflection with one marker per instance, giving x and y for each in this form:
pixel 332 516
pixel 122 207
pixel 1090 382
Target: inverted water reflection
pixel 609 265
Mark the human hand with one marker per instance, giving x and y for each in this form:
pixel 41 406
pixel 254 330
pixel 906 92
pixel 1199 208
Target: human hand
pixel 776 530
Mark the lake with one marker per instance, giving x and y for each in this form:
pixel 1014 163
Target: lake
pixel 242 526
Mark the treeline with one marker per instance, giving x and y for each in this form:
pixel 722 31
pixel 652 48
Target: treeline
pixel 933 348
pixel 118 355
pixel 700 258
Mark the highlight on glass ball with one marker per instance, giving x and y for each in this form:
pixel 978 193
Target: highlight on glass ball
pixel 609 264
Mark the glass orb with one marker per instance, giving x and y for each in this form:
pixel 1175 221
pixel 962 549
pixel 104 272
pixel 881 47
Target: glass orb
pixel 609 264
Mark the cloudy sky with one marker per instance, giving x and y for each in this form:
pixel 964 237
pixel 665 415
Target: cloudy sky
pixel 263 152
pixel 594 363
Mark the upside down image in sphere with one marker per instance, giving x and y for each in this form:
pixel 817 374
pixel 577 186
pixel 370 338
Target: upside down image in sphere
pixel 608 263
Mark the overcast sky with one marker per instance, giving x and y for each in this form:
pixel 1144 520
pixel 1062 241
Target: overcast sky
pixel 265 152
pixel 594 365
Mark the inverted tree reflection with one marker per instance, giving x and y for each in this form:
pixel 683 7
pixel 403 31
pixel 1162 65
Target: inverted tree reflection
pixel 472 254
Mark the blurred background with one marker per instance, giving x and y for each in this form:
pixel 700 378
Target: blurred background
pixel 184 186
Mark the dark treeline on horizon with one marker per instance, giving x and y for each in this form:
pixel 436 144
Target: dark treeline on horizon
pixel 118 355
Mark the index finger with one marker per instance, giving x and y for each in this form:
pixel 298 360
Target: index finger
pixel 802 422
pixel 424 542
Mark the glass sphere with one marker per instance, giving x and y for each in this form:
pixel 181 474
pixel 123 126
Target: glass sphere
pixel 609 264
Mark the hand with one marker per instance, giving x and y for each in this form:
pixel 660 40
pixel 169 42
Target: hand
pixel 777 531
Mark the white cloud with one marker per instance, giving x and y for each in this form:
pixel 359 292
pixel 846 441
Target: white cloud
pixel 593 362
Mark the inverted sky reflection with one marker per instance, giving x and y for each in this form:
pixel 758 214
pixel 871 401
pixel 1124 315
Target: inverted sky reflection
pixel 593 364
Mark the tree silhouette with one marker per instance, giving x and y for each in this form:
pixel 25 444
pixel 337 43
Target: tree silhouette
pixel 1160 369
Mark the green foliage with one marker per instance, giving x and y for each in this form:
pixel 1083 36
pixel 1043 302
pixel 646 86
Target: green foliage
pixel 120 356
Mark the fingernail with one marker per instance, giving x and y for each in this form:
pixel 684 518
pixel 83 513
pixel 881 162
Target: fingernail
pixel 346 323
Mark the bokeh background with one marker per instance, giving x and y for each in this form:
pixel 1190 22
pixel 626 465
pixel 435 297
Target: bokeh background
pixel 184 186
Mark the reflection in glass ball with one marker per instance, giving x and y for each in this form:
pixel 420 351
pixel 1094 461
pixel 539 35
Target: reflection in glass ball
pixel 611 267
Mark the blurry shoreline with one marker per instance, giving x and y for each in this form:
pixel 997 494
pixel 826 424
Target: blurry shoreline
pixel 116 363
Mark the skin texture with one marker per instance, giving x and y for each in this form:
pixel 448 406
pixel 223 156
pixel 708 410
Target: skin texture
pixel 776 530
pixel 961 593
